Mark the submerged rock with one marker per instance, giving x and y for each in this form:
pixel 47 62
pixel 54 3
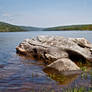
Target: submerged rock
pixel 57 52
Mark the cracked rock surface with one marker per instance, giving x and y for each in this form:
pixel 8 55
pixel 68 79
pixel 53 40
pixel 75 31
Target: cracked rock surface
pixel 57 52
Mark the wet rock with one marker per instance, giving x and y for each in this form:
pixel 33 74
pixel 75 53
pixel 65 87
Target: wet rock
pixel 64 64
pixel 57 52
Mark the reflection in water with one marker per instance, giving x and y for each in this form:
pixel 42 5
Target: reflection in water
pixel 60 78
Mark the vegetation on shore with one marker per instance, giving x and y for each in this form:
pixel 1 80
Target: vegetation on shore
pixel 5 27
pixel 71 27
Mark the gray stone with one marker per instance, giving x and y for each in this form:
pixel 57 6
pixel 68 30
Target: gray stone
pixel 57 52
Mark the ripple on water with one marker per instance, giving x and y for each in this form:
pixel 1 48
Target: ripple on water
pixel 20 74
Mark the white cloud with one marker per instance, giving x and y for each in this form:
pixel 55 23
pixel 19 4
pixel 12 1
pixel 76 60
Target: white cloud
pixel 6 16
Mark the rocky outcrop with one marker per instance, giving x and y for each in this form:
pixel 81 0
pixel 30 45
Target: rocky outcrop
pixel 57 52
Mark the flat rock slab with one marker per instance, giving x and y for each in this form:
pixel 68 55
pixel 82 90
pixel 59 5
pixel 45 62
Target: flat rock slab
pixel 57 52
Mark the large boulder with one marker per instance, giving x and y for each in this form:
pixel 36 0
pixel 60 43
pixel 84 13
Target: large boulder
pixel 57 52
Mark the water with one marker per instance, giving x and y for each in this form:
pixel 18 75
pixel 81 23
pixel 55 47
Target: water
pixel 21 74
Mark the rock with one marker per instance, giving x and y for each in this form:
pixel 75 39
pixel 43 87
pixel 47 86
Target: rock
pixel 64 64
pixel 57 52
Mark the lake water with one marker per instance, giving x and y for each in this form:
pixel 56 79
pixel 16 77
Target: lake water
pixel 21 74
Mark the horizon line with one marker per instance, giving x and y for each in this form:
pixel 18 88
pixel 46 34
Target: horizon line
pixel 48 26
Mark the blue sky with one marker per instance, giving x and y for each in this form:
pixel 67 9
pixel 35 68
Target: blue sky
pixel 46 13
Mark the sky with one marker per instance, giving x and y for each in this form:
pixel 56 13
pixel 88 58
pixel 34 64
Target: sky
pixel 46 13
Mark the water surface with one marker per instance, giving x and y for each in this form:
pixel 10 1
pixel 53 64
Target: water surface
pixel 21 74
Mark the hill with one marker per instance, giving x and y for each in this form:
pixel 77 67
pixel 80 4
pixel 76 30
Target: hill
pixel 71 27
pixel 28 28
pixel 6 27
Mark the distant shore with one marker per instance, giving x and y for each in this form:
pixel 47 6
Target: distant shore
pixel 87 27
pixel 5 27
